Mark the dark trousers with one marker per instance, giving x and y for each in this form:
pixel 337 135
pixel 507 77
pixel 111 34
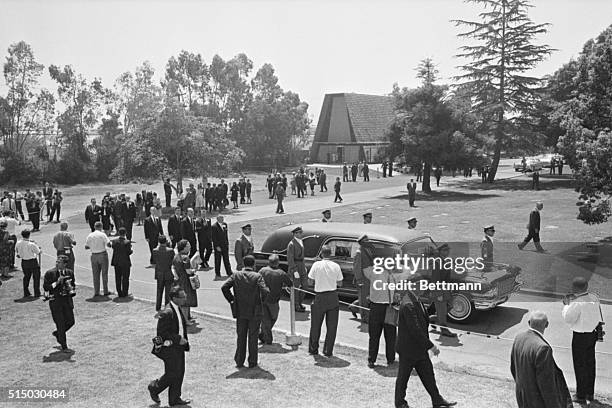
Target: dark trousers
pixel 169 200
pixel 338 197
pixel 376 327
pixel 205 250
pixel 152 245
pixel 163 289
pixel 279 206
pixel 174 372
pixel 128 225
pixel 30 269
pixel 49 204
pixel 323 186
pixel 35 218
pixel 424 369
pixel 122 280
pixel 247 331
pixel 92 225
pixel 366 176
pixel 301 282
pixel 19 209
pixel 219 256
pixel 532 235
pixel 345 177
pixel 55 209
pixel 325 306
pixel 63 316
pixel 270 314
pixel 193 247
pixel 583 354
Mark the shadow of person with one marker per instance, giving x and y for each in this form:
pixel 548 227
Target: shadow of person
pixel 386 370
pixel 194 329
pixel 221 278
pixel 25 299
pixel 274 348
pixel 126 299
pixel 59 356
pixel 330 362
pixel 256 373
pixel 98 299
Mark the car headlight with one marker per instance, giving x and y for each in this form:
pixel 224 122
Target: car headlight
pixel 491 292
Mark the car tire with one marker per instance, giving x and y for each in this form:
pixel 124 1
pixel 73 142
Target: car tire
pixel 461 308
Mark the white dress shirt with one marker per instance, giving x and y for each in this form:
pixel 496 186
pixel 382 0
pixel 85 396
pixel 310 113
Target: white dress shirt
pixel 582 314
pixel 326 274
pixel 27 250
pixel 97 241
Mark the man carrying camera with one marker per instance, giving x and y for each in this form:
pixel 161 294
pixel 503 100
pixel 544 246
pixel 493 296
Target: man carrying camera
pixel 59 283
pixel 582 312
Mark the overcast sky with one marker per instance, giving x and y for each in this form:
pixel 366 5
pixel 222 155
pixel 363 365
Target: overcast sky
pixel 316 47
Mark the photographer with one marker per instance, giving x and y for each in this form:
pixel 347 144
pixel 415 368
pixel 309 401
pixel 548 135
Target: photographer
pixel 582 312
pixel 59 283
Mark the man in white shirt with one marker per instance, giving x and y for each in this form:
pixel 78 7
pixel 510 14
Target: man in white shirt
pixel 581 311
pixel 97 242
pixel 326 276
pixel 28 252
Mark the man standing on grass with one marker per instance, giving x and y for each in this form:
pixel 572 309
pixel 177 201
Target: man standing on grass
pixel 246 301
pixel 152 230
pixel 64 242
pixel 221 245
pixel 276 279
pixel 60 300
pixel 163 256
pixel 539 381
pixel 280 196
pixel 533 228
pixel 172 333
pixel 28 251
pixel 92 214
pixel 122 249
pixel 326 277
pixel 174 227
pixel 97 242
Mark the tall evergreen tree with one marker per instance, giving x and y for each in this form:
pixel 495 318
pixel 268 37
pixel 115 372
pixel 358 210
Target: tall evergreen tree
pixel 501 51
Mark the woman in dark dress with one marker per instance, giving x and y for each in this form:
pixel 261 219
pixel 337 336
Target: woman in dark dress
pixel 182 268
pixel 105 215
pixel 234 190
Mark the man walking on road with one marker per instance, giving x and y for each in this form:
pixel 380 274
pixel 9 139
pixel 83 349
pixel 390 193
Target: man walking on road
pixel 412 187
pixel 533 228
pixel 97 242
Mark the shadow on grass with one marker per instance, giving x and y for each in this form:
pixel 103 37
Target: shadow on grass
pixel 445 196
pixel 330 362
pixel 98 299
pixel 256 373
pixel 25 299
pixel 126 299
pixel 275 348
pixel 386 370
pixel 193 329
pixel 59 356
pixel 221 278
pixel 521 183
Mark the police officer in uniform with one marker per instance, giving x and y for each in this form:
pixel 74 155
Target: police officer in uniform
pixel 367 217
pixel 412 222
pixel 56 283
pixel 296 267
pixel 364 259
pixel 440 298
pixel 486 245
pixel 326 216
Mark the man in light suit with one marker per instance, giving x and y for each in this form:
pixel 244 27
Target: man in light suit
pixel 153 229
pixel 172 328
pixel 243 246
pixel 188 228
pixel 539 381
pixel 296 267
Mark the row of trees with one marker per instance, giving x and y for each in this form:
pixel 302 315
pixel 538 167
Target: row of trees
pixel 200 119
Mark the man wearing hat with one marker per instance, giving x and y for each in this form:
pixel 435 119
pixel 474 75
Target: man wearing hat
pixel 60 301
pixel 326 216
pixel 367 217
pixel 486 245
pixel 440 298
pixel 533 228
pixel 364 260
pixel 243 246
pixel 412 222
pixel 296 267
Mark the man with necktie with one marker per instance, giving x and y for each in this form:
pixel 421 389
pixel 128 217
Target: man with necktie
pixel 188 228
pixel 152 229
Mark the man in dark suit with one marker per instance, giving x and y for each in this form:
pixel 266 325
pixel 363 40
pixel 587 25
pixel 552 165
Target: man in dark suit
pixel 174 227
pixel 276 279
pixel 412 188
pixel 243 246
pixel 60 300
pixel 48 194
pixel 168 192
pixel 152 229
pixel 209 194
pixel 249 292
pixel 204 233
pixel 92 214
pixel 122 249
pixel 221 245
pixel 412 347
pixel 296 267
pixel 323 180
pixel 163 256
pixel 539 381
pixel 533 228
pixel 188 228
pixel 172 328
pixel 128 216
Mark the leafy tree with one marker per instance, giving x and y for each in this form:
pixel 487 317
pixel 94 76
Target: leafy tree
pixel 191 79
pixel 501 52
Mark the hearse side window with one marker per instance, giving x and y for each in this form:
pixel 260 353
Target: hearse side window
pixel 311 246
pixel 342 248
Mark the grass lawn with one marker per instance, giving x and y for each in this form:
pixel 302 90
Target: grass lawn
pixel 112 365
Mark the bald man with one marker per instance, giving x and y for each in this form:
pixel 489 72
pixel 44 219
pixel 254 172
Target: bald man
pixel 63 242
pixel 539 381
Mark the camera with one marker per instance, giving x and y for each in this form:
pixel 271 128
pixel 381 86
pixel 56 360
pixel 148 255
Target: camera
pixel 600 331
pixel 67 288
